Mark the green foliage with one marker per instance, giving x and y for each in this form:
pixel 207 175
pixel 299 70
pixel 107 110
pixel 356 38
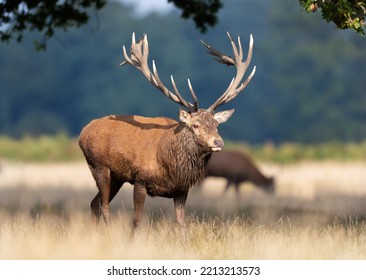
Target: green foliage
pixel 203 12
pixel 44 16
pixel 350 14
pixel 295 152
pixel 40 149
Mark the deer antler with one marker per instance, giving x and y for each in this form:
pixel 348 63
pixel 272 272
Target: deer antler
pixel 139 56
pixel 235 86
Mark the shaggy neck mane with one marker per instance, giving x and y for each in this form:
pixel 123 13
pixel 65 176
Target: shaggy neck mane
pixel 184 159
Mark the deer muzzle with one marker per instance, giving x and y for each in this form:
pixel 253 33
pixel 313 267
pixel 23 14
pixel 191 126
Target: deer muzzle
pixel 218 145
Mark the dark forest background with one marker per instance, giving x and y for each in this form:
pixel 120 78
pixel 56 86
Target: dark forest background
pixel 309 85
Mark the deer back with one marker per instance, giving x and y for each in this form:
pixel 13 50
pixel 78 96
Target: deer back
pixel 125 142
pixel 237 167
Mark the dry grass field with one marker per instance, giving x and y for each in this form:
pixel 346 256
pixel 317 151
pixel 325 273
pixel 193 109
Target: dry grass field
pixel 317 212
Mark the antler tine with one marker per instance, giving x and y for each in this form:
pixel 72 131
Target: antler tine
pixel 236 86
pixel 176 97
pixel 139 53
pixel 218 56
pixel 159 85
pixel 195 100
pixel 182 101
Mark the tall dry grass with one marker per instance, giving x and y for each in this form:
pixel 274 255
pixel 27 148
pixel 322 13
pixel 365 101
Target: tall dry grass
pixel 317 213
pixel 216 238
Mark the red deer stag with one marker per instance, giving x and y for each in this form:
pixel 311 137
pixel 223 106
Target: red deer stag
pixel 159 156
pixel 236 168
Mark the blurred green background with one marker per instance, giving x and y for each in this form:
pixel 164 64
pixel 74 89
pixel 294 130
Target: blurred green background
pixel 309 87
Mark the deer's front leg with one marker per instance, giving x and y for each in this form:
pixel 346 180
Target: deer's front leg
pixel 179 205
pixel 139 195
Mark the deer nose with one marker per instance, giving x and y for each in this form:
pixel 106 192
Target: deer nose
pixel 219 143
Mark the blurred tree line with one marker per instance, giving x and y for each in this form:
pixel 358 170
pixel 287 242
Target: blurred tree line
pixel 309 85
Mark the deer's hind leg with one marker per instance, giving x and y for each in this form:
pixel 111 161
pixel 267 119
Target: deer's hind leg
pixel 108 185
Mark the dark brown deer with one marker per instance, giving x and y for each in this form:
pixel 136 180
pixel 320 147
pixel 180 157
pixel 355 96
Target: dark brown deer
pixel 236 167
pixel 159 156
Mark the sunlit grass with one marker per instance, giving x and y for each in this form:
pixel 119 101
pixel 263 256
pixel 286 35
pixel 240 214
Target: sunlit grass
pixel 217 238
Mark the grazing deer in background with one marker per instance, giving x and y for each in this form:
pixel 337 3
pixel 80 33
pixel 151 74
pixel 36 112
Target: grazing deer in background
pixel 237 168
pixel 159 156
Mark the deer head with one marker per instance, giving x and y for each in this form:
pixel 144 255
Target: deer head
pixel 203 122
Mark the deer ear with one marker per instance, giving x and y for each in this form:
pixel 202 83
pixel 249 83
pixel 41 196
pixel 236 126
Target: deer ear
pixel 184 116
pixel 223 116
